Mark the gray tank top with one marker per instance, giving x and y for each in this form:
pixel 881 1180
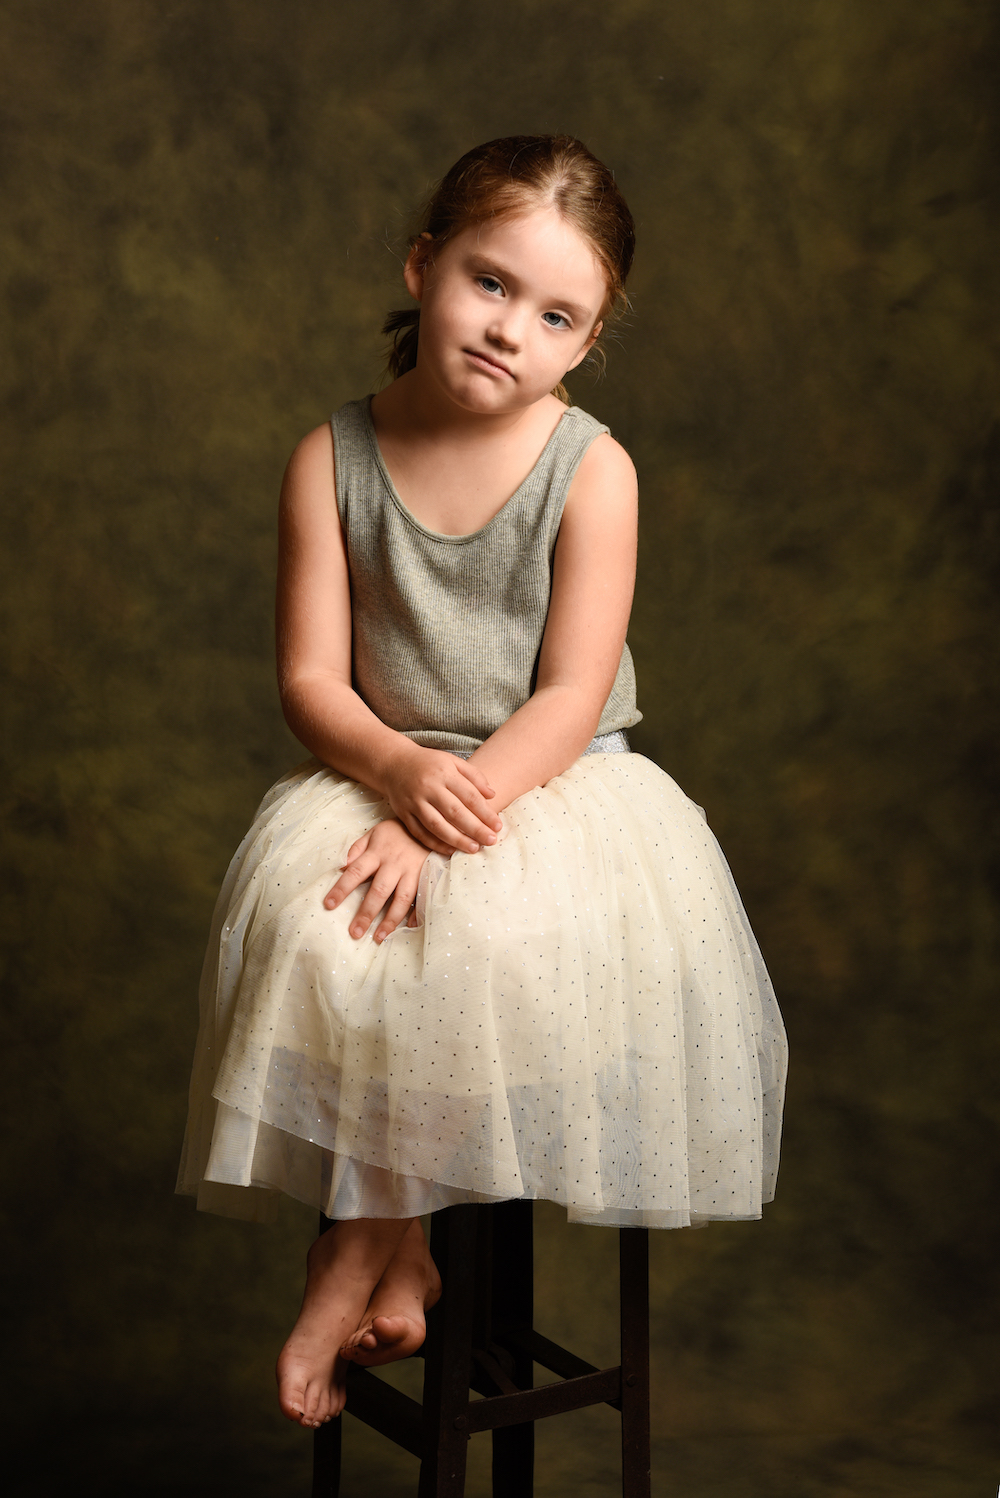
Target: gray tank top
pixel 447 629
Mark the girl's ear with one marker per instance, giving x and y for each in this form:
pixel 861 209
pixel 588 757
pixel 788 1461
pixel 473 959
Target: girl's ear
pixel 416 265
pixel 594 335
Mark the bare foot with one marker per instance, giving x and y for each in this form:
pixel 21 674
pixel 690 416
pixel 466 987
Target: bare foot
pixel 343 1268
pixel 393 1323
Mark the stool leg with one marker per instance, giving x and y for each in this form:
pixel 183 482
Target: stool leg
pixel 513 1307
pixel 326 1459
pixel 634 1262
pixel 327 1439
pixel 447 1359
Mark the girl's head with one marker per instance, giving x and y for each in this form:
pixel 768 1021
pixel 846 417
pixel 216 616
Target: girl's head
pixel 511 177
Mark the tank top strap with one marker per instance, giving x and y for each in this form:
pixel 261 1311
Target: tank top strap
pixel 561 457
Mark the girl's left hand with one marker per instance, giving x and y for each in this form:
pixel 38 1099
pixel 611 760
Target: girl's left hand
pixel 392 860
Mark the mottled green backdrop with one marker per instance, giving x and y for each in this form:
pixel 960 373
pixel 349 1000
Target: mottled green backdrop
pixel 203 206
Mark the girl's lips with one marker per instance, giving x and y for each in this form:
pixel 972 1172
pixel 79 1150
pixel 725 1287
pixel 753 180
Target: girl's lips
pixel 493 365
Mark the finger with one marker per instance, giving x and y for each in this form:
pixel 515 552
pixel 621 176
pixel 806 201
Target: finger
pixel 480 824
pixel 474 803
pixel 433 827
pixel 350 877
pixel 471 787
pixel 439 826
pixel 473 773
pixel 402 902
pixel 379 892
pixel 360 870
pixel 356 849
pixel 424 836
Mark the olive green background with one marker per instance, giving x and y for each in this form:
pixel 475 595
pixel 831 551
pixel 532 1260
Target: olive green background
pixel 204 205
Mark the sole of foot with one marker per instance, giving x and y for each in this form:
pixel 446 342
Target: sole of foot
pixel 393 1325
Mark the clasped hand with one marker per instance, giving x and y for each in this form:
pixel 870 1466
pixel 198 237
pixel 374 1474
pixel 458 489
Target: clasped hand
pixel 441 799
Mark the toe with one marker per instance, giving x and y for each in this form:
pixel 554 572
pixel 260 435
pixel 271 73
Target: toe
pixel 392 1329
pixel 358 1339
pixel 291 1401
pixel 292 1410
pixel 396 1337
pixel 311 1409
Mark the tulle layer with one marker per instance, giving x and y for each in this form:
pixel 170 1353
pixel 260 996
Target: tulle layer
pixel 582 1015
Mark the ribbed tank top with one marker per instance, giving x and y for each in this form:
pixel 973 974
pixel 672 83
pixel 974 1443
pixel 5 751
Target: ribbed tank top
pixel 447 629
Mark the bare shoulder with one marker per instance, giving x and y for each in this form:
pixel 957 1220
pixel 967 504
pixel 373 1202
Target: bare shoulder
pixel 606 475
pixel 313 456
pixel 308 485
pixel 609 458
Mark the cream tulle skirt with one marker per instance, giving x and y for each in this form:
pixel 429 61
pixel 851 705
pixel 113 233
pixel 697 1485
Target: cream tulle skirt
pixel 582 1015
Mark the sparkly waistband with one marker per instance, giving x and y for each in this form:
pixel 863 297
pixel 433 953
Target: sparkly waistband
pixel 610 743
pixel 605 743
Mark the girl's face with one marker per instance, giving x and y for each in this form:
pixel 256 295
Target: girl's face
pixel 507 307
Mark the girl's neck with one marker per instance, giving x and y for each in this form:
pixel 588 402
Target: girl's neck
pixel 455 470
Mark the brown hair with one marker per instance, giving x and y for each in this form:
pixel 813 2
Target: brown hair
pixel 505 177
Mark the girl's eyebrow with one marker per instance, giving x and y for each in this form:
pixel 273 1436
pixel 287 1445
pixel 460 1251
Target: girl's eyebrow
pixel 480 262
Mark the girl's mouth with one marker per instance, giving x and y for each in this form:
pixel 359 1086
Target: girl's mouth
pixel 486 362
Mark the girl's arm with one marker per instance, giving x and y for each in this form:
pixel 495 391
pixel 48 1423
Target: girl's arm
pixel 441 800
pixel 593 578
pixel 592 585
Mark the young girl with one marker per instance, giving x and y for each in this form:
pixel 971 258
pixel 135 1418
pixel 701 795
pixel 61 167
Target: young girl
pixel 474 949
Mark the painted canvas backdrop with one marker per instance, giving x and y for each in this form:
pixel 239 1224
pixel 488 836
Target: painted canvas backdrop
pixel 205 205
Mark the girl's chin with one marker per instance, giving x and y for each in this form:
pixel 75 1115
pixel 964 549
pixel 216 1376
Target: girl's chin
pixel 506 394
pixel 473 389
pixel 484 394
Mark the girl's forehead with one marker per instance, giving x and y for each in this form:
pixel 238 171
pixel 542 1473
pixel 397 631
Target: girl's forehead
pixel 539 242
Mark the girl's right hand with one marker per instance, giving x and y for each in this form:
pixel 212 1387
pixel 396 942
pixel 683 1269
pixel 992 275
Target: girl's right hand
pixel 441 800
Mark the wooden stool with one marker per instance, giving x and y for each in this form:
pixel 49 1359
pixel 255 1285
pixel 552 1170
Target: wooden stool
pixel 480 1337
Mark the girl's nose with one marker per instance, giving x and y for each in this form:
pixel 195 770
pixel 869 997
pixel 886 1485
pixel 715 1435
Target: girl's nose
pixel 507 329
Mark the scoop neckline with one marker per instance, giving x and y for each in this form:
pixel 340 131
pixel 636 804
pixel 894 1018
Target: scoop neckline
pixel 366 406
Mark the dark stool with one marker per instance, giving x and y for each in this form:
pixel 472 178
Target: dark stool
pixel 480 1337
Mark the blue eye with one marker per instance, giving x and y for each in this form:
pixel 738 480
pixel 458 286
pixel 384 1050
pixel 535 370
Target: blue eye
pixel 490 284
pixel 558 320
